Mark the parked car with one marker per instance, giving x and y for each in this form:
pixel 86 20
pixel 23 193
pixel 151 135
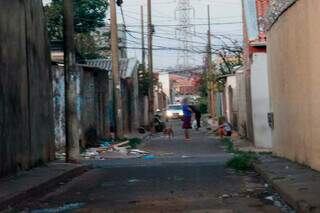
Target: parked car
pixel 174 111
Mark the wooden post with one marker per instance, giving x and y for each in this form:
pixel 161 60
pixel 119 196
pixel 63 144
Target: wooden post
pixel 116 71
pixel 143 52
pixel 72 122
pixel 212 84
pixel 150 67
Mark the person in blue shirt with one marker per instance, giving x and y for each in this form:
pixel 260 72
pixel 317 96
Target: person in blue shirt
pixel 187 114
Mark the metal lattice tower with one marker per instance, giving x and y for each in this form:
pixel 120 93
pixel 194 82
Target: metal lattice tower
pixel 184 32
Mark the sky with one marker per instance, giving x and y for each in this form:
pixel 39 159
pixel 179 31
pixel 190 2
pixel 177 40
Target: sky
pixel 226 16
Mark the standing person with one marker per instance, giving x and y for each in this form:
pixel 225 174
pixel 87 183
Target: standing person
pixel 197 114
pixel 187 114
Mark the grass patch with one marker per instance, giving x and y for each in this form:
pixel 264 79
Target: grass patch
pixel 229 146
pixel 242 161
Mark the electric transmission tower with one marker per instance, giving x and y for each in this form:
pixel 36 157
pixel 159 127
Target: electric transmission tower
pixel 184 32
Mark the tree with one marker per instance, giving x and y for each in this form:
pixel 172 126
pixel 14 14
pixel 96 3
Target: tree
pixel 89 15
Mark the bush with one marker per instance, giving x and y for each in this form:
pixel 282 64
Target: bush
pixel 242 161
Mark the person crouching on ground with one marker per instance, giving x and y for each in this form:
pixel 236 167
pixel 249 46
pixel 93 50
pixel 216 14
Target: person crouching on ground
pixel 225 128
pixel 187 114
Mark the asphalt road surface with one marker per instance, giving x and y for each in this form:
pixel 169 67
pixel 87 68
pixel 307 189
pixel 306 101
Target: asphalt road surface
pixel 184 177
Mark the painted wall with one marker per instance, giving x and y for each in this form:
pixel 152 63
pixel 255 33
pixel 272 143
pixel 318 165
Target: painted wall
pixel 260 101
pixel 293 61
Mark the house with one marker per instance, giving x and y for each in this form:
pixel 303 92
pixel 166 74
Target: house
pixel 293 65
pixel 129 90
pixel 255 74
pixel 95 99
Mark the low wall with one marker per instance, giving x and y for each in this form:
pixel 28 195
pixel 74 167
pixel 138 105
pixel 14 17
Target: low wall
pixel 293 61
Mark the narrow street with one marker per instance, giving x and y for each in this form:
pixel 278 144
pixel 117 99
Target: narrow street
pixel 183 177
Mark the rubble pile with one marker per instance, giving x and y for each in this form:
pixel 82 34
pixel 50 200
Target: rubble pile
pixel 108 150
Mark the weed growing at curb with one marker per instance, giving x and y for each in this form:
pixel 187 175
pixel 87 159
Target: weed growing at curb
pixel 241 161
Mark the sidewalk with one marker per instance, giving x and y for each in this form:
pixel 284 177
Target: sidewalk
pixel 35 182
pixel 297 184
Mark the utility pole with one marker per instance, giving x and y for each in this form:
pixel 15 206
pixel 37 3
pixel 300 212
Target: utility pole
pixel 150 62
pixel 70 76
pixel 211 76
pixel 143 56
pixel 116 71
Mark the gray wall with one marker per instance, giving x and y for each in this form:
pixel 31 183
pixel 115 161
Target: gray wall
pixel 26 112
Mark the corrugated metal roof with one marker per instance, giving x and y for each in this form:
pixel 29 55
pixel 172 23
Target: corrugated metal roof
pixel 127 65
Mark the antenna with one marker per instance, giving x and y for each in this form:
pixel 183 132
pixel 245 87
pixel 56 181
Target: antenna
pixel 183 12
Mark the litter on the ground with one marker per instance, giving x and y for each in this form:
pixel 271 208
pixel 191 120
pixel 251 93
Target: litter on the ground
pixel 149 157
pixel 64 208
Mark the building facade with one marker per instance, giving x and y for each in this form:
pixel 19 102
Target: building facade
pixel 293 65
pixel 257 85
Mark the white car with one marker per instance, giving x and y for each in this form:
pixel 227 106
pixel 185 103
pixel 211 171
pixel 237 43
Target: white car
pixel 174 111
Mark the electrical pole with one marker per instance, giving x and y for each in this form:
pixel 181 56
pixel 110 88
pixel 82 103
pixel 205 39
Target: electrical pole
pixel 143 56
pixel 211 76
pixel 150 62
pixel 116 71
pixel 70 76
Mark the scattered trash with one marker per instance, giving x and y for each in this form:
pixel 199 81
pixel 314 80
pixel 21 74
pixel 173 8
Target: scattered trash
pixel 105 145
pixel 224 196
pixel 138 151
pixel 149 157
pixel 64 208
pixel 134 181
pixel 60 156
pixel 133 202
pixel 121 149
pixel 269 198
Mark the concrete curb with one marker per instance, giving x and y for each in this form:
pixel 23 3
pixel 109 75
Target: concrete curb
pixel 287 194
pixel 42 188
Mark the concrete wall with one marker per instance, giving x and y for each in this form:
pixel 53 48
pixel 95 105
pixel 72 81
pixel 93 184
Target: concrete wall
pixel 26 108
pixel 241 103
pixel 260 100
pixel 164 79
pixel 59 106
pixel 229 91
pixel 293 60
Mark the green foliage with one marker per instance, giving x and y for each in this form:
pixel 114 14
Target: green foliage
pixel 203 88
pixel 203 106
pixel 144 80
pixel 88 15
pixel 229 146
pixel 134 142
pixel 86 46
pixel 242 161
